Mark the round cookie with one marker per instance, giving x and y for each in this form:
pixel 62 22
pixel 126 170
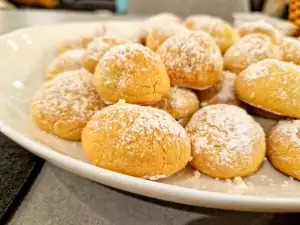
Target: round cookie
pixel 248 50
pixel 136 140
pixel 226 142
pixel 271 85
pixel 179 102
pixel 68 61
pixel 131 72
pixel 63 105
pixel 221 92
pixel 283 151
pixel 192 22
pixel 222 32
pixel 290 50
pixel 161 32
pixel 161 18
pixel 261 27
pixel 97 48
pixel 192 60
pixel 81 41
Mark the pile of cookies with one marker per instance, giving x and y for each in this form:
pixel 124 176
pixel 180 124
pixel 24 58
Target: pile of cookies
pixel 177 93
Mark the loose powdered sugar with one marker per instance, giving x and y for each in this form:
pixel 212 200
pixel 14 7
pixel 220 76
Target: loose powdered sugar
pixel 154 178
pixel 225 133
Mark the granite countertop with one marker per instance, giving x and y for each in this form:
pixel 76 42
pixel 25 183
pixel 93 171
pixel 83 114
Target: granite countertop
pixel 60 198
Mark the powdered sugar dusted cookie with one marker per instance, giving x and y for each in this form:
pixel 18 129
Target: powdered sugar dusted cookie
pixel 136 140
pixel 226 141
pixel 63 105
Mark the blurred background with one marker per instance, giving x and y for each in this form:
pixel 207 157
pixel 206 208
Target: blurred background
pixel 270 7
pixel 283 14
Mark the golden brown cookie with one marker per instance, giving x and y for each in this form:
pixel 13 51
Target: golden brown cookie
pixel 97 48
pixel 284 147
pixel 63 105
pixel 271 85
pixel 131 72
pixel 248 50
pixel 261 27
pixel 161 32
pixel 222 32
pixel 226 141
pixel 290 50
pixel 179 102
pixel 136 140
pixel 68 61
pixel 192 60
pixel 162 18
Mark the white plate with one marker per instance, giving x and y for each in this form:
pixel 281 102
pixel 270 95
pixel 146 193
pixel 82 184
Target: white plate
pixel 25 55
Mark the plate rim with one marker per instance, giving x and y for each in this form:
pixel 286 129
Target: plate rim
pixel 141 186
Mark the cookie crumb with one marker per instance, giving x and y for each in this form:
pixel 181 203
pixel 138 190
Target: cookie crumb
pixel 263 177
pixel 197 173
pixel 238 180
pixel 228 182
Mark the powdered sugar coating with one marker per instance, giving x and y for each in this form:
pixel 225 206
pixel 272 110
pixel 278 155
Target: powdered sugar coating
pixel 69 60
pixel 121 53
pixel 222 92
pixel 290 50
pixel 192 60
pixel 180 102
pixel 136 140
pixel 265 68
pixel 70 95
pixel 131 72
pixel 97 48
pixel 226 92
pixel 197 22
pixel 277 84
pixel 225 134
pixel 261 27
pixel 144 120
pixel 289 128
pixel 162 18
pixel 161 32
pixel 178 97
pixel 222 32
pixel 248 50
